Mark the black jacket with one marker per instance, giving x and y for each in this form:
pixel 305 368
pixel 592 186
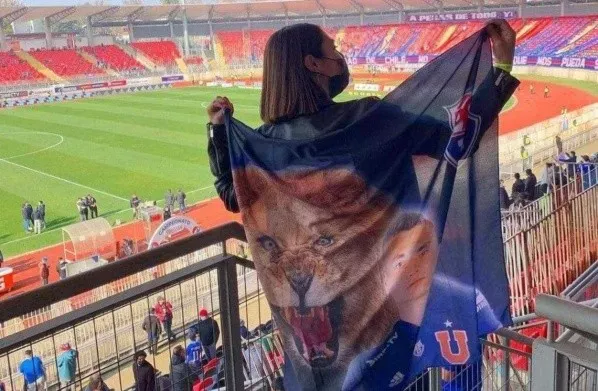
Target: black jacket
pixel 208 331
pixel 145 377
pixel 518 187
pixel 505 202
pixel 151 325
pixel 182 376
pixel 329 118
pixel 530 186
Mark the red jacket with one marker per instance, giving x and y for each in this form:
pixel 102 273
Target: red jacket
pixel 163 311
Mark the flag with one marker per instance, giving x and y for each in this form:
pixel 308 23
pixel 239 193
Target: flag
pixel 378 242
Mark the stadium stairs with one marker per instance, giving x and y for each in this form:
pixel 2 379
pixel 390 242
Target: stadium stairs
pixel 138 55
pixel 93 60
pixel 182 65
pixel 38 66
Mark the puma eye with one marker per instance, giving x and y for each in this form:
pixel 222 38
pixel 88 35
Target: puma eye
pixel 324 241
pixel 267 243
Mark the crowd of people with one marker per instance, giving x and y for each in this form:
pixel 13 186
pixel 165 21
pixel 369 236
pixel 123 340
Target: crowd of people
pixel 34 220
pixel 563 170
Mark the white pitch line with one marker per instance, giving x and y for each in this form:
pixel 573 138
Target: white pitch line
pixel 63 180
pixel 39 150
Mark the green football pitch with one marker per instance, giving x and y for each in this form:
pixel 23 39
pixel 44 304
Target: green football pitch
pixel 111 147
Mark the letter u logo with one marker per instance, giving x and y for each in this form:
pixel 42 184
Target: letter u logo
pixel 444 340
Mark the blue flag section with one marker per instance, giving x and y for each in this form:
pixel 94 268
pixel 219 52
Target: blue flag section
pixel 378 242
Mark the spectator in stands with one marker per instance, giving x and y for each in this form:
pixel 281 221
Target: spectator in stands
pixel 505 202
pixel 209 333
pixel 44 271
pixel 169 200
pixel 546 91
pixel 96 383
pixel 180 198
pixel 243 330
pixel 182 375
pixel 194 350
pixel 518 186
pixel 144 373
pixel 167 213
pixel 61 268
pixel 34 374
pixel 135 202
pixel 37 221
pixel 559 144
pixel 571 160
pixel 547 178
pixel 41 207
pixel 93 205
pixel 82 208
pixel 151 325
pixel 588 172
pixel 164 313
pixel 67 366
pixel 530 185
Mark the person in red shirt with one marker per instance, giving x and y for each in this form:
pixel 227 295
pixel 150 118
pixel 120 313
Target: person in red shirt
pixel 164 313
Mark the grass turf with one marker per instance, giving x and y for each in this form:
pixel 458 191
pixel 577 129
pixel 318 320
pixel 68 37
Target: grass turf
pixel 111 147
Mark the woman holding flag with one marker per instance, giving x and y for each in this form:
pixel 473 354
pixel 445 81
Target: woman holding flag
pixel 326 191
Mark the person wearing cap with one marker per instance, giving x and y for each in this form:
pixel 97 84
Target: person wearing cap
pixel 67 366
pixel 144 373
pixel 209 332
pixel 164 313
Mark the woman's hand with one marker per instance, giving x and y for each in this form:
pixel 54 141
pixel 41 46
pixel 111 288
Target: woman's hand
pixel 216 110
pixel 503 41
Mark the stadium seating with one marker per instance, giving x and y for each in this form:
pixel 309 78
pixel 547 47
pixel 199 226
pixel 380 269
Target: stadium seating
pixel 114 57
pixel 65 62
pixel 535 37
pixel 13 69
pixel 160 52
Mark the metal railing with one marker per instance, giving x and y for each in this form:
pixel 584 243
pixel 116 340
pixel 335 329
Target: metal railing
pixel 560 364
pixel 198 272
pixel 554 239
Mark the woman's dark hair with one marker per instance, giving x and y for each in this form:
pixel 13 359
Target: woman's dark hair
pixel 288 89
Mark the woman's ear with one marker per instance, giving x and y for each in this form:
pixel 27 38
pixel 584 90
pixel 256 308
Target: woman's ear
pixel 311 63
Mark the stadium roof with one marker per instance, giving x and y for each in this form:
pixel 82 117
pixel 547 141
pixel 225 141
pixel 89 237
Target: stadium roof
pixel 292 8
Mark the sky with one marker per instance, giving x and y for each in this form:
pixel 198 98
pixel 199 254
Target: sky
pixel 77 2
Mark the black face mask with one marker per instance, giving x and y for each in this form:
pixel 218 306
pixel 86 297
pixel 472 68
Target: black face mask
pixel 338 83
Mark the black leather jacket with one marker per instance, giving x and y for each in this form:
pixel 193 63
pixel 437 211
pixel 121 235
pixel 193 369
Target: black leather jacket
pixel 329 118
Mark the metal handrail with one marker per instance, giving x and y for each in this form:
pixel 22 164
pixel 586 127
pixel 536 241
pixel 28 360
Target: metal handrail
pixel 62 290
pixel 568 313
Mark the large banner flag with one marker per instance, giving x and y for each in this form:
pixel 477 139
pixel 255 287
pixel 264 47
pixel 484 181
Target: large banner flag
pixel 379 243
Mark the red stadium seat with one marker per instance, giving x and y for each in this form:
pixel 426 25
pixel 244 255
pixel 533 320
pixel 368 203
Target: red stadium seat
pixel 160 52
pixel 66 62
pixel 114 57
pixel 13 69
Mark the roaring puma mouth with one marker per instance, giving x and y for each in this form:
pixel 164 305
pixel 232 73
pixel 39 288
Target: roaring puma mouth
pixel 315 331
